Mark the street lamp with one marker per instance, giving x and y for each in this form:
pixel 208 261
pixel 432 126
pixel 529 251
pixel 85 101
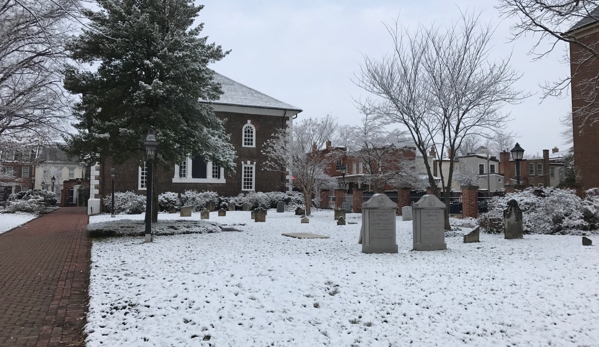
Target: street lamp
pixel 343 169
pixel 53 179
pixel 517 154
pixel 112 177
pixel 150 146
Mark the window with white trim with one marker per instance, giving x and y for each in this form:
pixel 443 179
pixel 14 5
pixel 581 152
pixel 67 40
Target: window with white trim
pixel 71 173
pixel 539 169
pixel 142 177
pixel 248 178
pixel 531 169
pixel 25 172
pixel 481 169
pixel 9 171
pixel 552 171
pixel 249 135
pixel 492 168
pixel 198 170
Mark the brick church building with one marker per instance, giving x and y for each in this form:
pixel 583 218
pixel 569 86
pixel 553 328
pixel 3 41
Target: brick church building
pixel 584 69
pixel 251 119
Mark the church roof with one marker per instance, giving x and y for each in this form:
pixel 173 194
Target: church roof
pixel 591 18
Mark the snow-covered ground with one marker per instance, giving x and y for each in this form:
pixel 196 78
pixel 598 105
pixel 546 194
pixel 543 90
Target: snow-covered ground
pixel 10 221
pixel 258 288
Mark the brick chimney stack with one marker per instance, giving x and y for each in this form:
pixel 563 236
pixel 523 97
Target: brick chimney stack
pixel 329 144
pixel 554 150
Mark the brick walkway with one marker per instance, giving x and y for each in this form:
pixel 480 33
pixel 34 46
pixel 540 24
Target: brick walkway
pixel 44 277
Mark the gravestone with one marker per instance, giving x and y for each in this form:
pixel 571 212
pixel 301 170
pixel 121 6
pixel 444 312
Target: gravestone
pixel 231 206
pixel 210 206
pixel 339 213
pixel 586 241
pixel 205 214
pixel 346 206
pixel 305 220
pixel 428 227
pixel 222 212
pixel 172 209
pixel 378 234
pixel 185 211
pixel 512 221
pixel 264 208
pixel 246 206
pixel 260 215
pixel 473 236
pixel 300 211
pixel 281 206
pixel 406 213
pixel 253 214
pixel 341 221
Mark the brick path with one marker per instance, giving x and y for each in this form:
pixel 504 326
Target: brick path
pixel 44 277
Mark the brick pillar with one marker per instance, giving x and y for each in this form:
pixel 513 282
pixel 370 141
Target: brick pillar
pixel 403 199
pixel 324 198
pixel 339 194
pixel 357 200
pixel 580 192
pixel 470 201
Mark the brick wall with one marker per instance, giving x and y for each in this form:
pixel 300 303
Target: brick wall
pixel 403 199
pixel 127 173
pixel 470 202
pixel 357 200
pixel 586 141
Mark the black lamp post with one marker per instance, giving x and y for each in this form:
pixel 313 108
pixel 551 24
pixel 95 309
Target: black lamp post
pixel 112 177
pixel 53 179
pixel 517 154
pixel 343 170
pixel 150 146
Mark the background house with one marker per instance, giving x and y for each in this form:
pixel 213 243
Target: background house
pixel 18 169
pixel 251 118
pixel 67 172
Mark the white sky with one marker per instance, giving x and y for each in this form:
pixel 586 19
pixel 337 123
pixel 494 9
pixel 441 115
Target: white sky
pixel 306 54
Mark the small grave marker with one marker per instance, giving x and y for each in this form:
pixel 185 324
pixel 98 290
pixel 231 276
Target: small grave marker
pixel 260 215
pixel 378 225
pixel 512 221
pixel 205 214
pixel 222 212
pixel 185 211
pixel 281 206
pixel 428 226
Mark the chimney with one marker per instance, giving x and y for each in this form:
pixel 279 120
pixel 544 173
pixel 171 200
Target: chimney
pixel 555 150
pixel 432 153
pixel 546 153
pixel 329 144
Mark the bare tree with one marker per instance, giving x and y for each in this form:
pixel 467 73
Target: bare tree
pixel 33 105
pixel 553 22
pixel 385 154
pixel 300 151
pixel 442 85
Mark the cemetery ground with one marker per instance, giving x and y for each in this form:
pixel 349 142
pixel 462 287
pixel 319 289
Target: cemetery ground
pixel 255 287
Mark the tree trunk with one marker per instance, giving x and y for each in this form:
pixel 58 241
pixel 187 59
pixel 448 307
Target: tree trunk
pixel 308 202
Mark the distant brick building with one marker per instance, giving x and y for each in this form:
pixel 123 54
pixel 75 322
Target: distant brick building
pixel 18 170
pixel 251 119
pixel 584 70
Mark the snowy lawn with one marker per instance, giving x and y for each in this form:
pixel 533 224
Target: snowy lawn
pixel 9 221
pixel 258 288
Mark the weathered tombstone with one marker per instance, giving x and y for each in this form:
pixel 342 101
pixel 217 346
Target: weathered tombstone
pixel 305 220
pixel 512 221
pixel 185 211
pixel 473 236
pixel 260 215
pixel 346 206
pixel 378 234
pixel 341 221
pixel 265 209
pixel 428 226
pixel 280 206
pixel 406 213
pixel 300 211
pixel 172 209
pixel 205 214
pixel 339 213
pixel 586 241
pixel 222 212
pixel 210 206
pixel 246 206
pixel 231 206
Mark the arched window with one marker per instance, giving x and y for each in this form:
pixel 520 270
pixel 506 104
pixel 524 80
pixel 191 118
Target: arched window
pixel 249 135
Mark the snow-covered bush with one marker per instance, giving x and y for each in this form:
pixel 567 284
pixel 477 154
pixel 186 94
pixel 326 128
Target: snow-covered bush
pixel 169 201
pixel 125 203
pixel 544 211
pixel 198 200
pixel 258 199
pixel 41 196
pixel 28 206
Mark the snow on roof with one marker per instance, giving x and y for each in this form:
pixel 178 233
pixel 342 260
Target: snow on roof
pixel 235 93
pixel 588 20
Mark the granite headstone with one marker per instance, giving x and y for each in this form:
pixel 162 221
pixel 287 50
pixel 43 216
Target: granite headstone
pixel 428 225
pixel 378 225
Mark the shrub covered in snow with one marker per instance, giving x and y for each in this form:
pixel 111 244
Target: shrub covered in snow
pixel 169 201
pixel 125 203
pixel 198 200
pixel 545 211
pixel 30 201
pixel 29 206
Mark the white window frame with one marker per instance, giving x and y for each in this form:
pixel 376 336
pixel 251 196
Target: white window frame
pixel 142 177
pixel 23 172
pixel 71 173
pixel 188 174
pixel 492 166
pixel 531 169
pixel 9 170
pixel 539 169
pixel 481 166
pixel 243 167
pixel 552 171
pixel 249 125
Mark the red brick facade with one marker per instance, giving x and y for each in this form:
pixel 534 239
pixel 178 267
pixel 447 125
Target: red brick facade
pixel 357 200
pixel 470 202
pixel 265 181
pixel 586 140
pixel 403 199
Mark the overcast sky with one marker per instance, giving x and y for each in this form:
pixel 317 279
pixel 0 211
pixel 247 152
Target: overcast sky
pixel 306 54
